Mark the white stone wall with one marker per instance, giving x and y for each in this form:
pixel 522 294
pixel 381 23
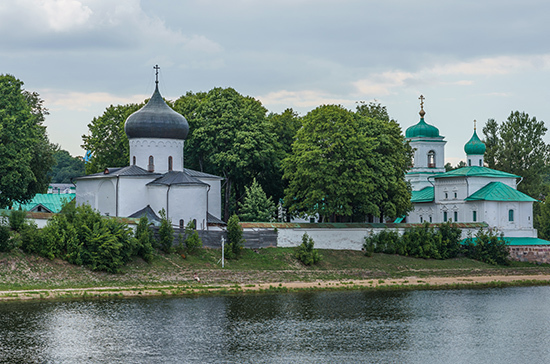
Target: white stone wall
pixel 133 195
pixel 160 149
pixel 214 196
pixel 187 203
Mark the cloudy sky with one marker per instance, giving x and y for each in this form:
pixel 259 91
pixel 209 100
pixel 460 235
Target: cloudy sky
pixel 470 59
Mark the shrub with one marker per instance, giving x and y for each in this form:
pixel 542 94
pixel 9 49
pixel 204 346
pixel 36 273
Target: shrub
pixel 192 240
pixel 5 235
pixel 17 219
pixel 488 247
pixel 166 233
pixel 235 239
pixel 305 252
pixel 384 242
pixel 145 238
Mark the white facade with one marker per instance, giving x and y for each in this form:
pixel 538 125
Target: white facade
pixel 156 178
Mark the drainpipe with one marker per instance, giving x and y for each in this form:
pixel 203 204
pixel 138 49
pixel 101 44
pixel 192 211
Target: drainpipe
pixel 116 199
pixel 167 199
pixel 520 179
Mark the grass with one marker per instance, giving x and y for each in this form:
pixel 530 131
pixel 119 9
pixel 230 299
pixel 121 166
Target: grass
pixel 19 271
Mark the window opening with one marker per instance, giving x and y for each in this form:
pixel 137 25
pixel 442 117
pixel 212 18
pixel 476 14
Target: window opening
pixel 431 159
pixel 170 163
pixel 151 166
pixel 474 216
pixel 510 215
pixel 181 224
pixel 134 160
pixel 444 216
pixel 456 216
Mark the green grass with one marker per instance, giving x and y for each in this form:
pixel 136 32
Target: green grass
pixel 19 271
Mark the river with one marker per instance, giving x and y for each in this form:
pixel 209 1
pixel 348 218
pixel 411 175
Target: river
pixel 501 325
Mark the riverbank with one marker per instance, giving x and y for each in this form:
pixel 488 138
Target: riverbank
pixel 27 277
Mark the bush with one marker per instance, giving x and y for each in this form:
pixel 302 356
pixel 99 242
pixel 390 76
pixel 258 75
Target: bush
pixel 166 233
pixel 145 238
pixel 488 247
pixel 192 240
pixel 235 239
pixel 305 252
pixel 384 242
pixel 5 235
pixel 17 219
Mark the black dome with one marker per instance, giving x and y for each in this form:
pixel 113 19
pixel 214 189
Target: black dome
pixel 156 120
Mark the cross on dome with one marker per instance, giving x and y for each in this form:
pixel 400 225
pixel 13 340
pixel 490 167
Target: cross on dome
pixel 157 68
pixel 422 112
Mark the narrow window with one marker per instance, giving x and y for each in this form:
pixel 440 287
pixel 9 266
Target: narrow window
pixel 430 219
pixel 446 195
pixel 421 219
pixel 469 162
pixel 170 163
pixel 134 160
pixel 151 166
pixel 444 216
pixel 455 195
pixel 194 224
pixel 474 216
pixel 456 216
pixel 181 224
pixel 480 164
pixel 431 159
pixel 510 215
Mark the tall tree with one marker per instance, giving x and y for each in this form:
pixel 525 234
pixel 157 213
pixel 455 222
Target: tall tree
pixel 256 205
pixel 390 160
pixel 328 171
pixel 107 140
pixel 517 146
pixel 228 137
pixel 25 151
pixel 66 167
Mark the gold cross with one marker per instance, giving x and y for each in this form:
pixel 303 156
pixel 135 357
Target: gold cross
pixel 474 125
pixel 421 98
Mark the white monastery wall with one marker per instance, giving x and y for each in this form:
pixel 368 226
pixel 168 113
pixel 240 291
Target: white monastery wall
pixel 132 194
pixel 187 203
pixel 214 196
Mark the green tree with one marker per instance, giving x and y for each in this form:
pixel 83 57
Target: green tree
pixel 449 166
pixel 145 238
pixel 166 233
pixel 66 167
pixel 106 139
pixel 25 152
pixel 235 238
pixel 192 240
pixel 228 137
pixel 390 159
pixel 517 146
pixel 256 205
pixel 306 253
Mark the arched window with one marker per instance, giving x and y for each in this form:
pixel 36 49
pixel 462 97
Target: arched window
pixel 474 216
pixel 480 163
pixel 431 159
pixel 194 224
pixel 181 224
pixel 469 162
pixel 444 216
pixel 170 163
pixel 151 166
pixel 134 160
pixel 456 216
pixel 510 215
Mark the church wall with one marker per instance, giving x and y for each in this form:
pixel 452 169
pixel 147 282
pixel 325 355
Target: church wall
pixel 214 196
pixel 86 192
pixel 132 195
pixel 106 197
pixel 156 197
pixel 188 203
pixel 477 183
pixel 160 149
pixel 422 148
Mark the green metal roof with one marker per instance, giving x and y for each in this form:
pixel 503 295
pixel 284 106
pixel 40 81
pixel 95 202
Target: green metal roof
pixel 519 241
pixel 424 195
pixel 475 171
pixel 422 129
pixel 498 191
pixel 475 146
pixel 51 201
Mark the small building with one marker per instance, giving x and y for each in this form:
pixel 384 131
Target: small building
pixel 45 202
pixel 156 178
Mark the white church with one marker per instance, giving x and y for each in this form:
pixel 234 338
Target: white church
pixel 156 178
pixel 473 193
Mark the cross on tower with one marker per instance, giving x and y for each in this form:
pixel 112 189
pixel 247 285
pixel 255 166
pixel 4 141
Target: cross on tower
pixel 157 68
pixel 474 125
pixel 421 98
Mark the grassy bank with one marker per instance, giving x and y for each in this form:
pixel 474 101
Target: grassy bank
pixel 20 271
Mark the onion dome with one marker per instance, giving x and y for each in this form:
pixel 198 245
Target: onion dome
pixel 422 129
pixel 475 146
pixel 156 120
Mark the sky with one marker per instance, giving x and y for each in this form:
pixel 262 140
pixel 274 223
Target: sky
pixel 472 60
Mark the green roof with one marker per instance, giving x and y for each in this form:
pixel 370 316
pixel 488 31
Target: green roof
pixel 498 191
pixel 424 195
pixel 53 202
pixel 475 171
pixel 422 129
pixel 519 241
pixel 475 146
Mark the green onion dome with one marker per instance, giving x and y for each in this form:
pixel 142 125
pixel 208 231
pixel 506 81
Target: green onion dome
pixel 422 129
pixel 475 146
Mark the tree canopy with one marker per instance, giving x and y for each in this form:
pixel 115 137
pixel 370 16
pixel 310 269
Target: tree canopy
pixel 347 165
pixel 256 205
pixel 517 146
pixel 66 167
pixel 228 136
pixel 25 151
pixel 107 140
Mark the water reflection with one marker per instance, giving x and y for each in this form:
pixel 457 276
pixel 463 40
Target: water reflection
pixel 469 326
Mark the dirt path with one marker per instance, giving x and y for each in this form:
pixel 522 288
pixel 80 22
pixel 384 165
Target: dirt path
pixel 197 288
